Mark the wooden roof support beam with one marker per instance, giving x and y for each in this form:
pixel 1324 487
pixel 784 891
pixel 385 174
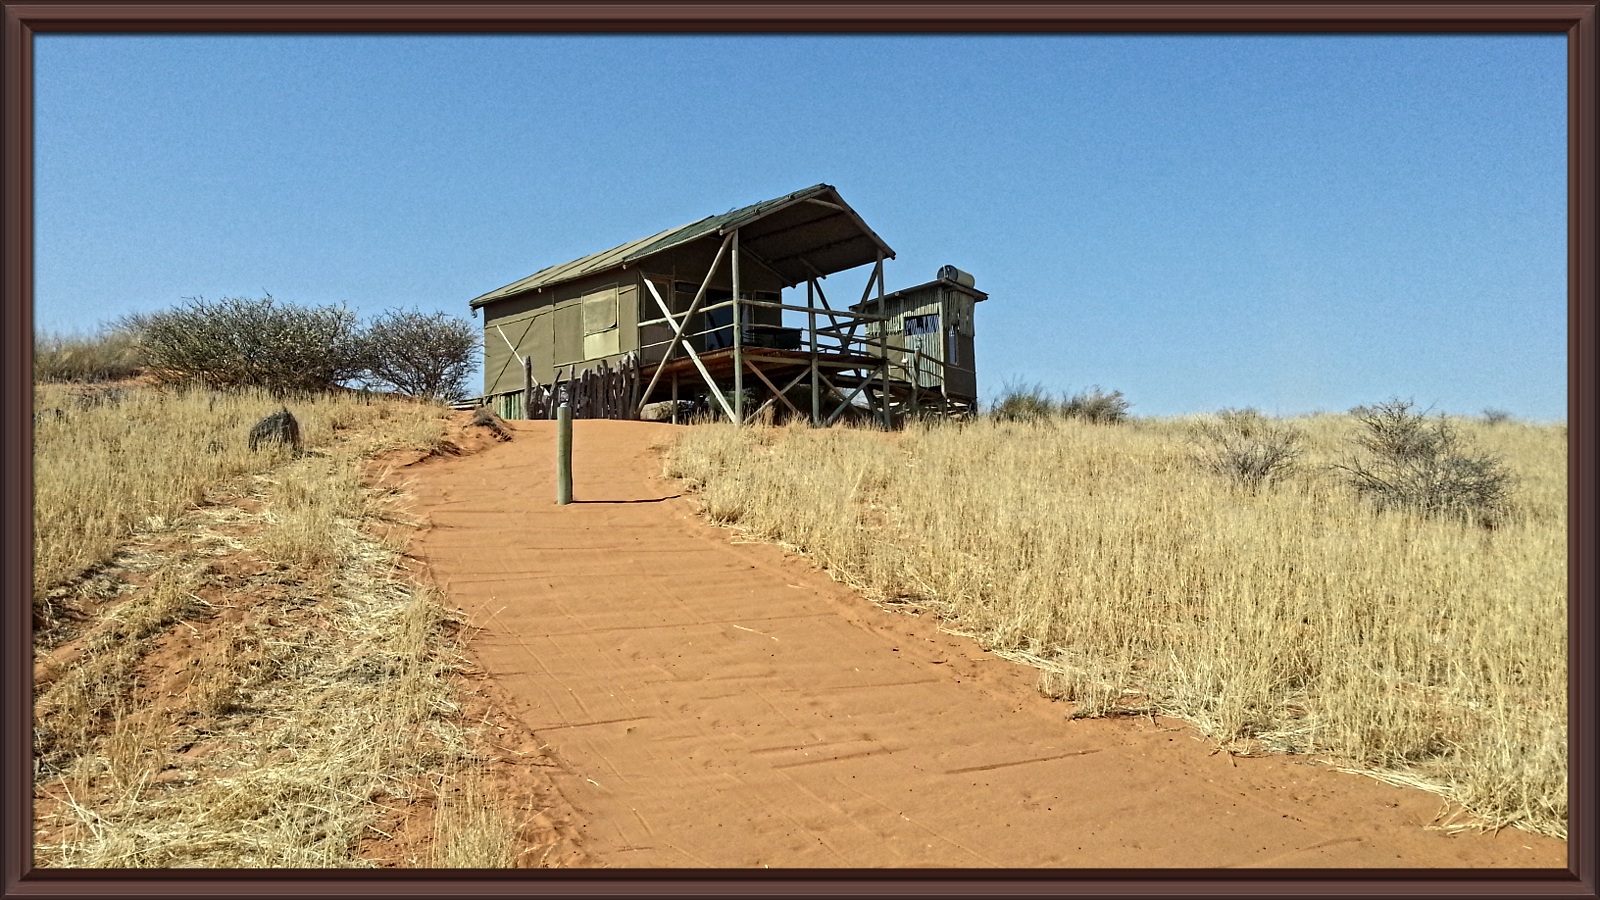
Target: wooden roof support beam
pixel 744 253
pixel 777 231
pixel 826 246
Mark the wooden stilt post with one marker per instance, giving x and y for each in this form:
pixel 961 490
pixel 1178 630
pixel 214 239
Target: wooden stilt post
pixel 883 346
pixel 738 340
pixel 916 382
pixel 674 398
pixel 811 320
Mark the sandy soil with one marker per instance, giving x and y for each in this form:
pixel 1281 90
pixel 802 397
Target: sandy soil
pixel 715 703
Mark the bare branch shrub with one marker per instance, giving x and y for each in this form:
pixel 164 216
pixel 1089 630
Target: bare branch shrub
pixel 425 356
pixel 1493 416
pixel 1246 447
pixel 238 342
pixel 1415 462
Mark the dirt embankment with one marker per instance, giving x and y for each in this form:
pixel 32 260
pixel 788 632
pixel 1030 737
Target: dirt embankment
pixel 707 702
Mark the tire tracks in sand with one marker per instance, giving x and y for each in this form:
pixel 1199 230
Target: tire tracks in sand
pixel 722 704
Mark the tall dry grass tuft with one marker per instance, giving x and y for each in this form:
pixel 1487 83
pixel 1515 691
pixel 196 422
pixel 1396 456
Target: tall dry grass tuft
pixel 109 355
pixel 1298 619
pixel 470 829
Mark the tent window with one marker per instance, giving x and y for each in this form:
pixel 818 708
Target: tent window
pixel 600 310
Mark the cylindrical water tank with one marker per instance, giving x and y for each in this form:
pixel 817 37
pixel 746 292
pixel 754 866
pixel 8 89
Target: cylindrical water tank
pixel 951 273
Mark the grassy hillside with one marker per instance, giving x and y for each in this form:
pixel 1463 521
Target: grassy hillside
pixel 234 666
pixel 1294 617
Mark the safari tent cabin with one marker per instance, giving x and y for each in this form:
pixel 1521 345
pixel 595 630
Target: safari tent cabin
pixel 930 328
pixel 622 307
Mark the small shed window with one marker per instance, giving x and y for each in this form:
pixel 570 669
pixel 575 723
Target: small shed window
pixel 923 324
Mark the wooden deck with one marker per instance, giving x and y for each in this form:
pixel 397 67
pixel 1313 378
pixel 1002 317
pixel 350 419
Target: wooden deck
pixel 777 371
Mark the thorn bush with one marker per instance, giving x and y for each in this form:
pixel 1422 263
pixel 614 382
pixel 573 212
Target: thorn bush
pixel 238 343
pixel 1417 462
pixel 427 356
pixel 1246 447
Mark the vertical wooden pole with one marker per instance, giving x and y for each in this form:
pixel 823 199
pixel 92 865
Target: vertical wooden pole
pixel 738 340
pixel 916 381
pixel 883 345
pixel 816 385
pixel 633 385
pixel 674 398
pixel 527 387
pixel 564 454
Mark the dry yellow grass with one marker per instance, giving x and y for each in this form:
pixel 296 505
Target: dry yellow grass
pixel 1293 619
pixel 324 689
pixel 110 462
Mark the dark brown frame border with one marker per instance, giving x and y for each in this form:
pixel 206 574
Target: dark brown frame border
pixel 19 21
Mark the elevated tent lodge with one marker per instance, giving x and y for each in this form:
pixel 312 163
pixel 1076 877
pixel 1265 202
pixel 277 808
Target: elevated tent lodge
pixel 696 313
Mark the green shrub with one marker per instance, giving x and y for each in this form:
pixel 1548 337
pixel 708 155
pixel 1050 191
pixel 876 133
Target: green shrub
pixel 1415 462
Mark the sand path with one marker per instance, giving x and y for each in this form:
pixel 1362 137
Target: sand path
pixel 714 703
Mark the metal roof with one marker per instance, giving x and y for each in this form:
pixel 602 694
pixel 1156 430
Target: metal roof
pixel 808 233
pixel 867 305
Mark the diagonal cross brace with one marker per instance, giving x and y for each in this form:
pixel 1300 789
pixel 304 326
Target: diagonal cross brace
pixel 677 334
pixel 693 357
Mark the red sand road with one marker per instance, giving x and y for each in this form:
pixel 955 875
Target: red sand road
pixel 716 703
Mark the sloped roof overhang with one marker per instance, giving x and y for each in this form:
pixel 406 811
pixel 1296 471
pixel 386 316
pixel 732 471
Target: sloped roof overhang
pixel 810 233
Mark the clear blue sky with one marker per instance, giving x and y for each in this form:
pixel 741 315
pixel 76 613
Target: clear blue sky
pixel 1291 223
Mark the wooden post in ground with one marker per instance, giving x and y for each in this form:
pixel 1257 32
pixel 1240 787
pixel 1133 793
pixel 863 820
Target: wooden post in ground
pixel 527 387
pixel 563 454
pixel 674 398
